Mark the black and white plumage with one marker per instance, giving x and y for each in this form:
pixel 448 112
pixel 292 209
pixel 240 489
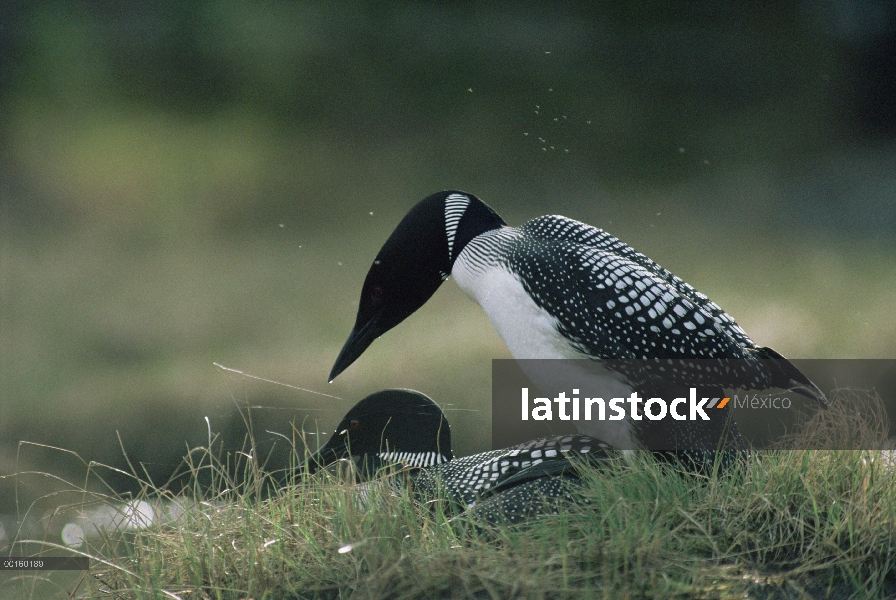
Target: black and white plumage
pixel 513 484
pixel 558 288
pixel 407 430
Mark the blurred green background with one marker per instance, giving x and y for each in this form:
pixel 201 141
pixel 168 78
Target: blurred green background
pixel 186 183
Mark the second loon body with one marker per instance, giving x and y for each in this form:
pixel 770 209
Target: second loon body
pixel 407 429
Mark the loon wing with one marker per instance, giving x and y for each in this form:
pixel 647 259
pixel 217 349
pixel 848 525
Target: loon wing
pixel 471 478
pixel 613 302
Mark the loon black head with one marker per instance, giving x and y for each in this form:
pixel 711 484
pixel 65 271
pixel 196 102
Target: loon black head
pixel 389 426
pixel 413 263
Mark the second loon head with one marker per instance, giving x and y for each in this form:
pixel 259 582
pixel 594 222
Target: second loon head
pixel 413 263
pixel 390 426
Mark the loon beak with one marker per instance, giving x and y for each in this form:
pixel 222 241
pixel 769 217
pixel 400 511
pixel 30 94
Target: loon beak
pixel 319 460
pixel 358 341
pixel 326 454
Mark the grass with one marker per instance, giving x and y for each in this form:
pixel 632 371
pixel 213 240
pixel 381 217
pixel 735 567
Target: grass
pixel 791 524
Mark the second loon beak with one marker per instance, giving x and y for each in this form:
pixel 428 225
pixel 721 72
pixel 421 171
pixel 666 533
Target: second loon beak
pixel 334 450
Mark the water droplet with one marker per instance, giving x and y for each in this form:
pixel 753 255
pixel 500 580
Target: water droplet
pixel 72 535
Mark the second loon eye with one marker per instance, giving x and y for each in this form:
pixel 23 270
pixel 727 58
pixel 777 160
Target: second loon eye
pixel 354 424
pixel 376 292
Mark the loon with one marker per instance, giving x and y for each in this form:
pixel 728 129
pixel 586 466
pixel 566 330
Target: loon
pixel 558 288
pixel 406 429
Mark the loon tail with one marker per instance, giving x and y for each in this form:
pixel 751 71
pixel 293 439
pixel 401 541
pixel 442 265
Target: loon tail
pixel 787 377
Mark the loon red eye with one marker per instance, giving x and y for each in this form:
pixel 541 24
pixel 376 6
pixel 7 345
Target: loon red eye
pixel 353 424
pixel 376 292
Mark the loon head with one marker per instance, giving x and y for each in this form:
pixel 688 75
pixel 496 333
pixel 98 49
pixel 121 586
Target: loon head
pixel 387 427
pixel 413 263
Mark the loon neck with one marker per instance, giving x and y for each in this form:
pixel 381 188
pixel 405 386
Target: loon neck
pixel 467 217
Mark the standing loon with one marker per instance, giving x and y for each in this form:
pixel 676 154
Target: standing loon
pixel 558 288
pixel 406 429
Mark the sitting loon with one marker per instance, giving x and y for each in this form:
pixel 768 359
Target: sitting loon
pixel 407 429
pixel 558 288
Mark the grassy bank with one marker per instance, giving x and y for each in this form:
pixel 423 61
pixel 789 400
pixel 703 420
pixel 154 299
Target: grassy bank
pixel 792 524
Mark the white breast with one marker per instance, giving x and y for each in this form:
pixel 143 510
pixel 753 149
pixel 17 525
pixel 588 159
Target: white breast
pixel 531 333
pixel 527 329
